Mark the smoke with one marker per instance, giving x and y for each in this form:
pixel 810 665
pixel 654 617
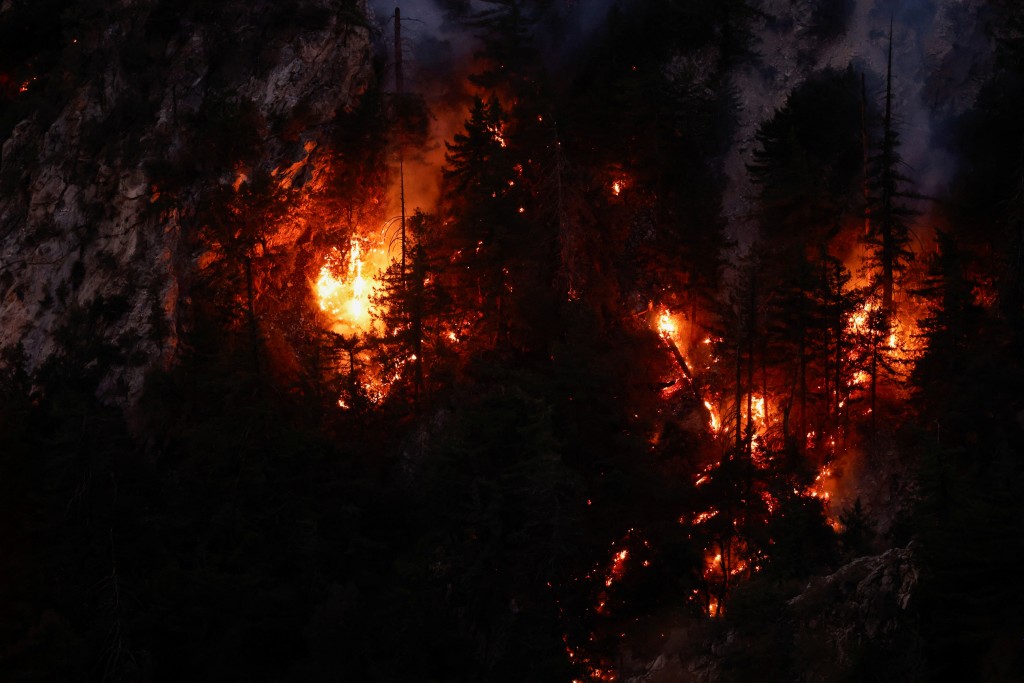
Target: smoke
pixel 438 48
pixel 940 52
pixel 561 27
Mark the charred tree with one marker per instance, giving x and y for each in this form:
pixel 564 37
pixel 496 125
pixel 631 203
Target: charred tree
pixel 888 224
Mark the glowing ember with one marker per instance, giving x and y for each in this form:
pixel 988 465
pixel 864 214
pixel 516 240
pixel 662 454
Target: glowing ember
pixel 704 476
pixel 704 516
pixel 498 135
pixel 757 409
pixel 858 321
pixel 818 489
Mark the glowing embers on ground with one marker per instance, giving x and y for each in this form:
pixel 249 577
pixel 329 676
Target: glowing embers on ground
pixel 594 671
pixel 627 558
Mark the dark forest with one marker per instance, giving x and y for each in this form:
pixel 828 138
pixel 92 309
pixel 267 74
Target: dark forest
pixel 511 340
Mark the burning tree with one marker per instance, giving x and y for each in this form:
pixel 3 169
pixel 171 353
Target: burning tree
pixel 483 210
pixel 887 226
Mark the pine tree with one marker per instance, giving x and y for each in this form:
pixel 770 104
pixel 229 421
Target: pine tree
pixel 837 302
pixel 807 163
pixel 806 170
pixel 356 168
pixel 949 329
pixel 482 211
pixel 508 55
pixel 412 309
pixel 236 225
pixel 888 234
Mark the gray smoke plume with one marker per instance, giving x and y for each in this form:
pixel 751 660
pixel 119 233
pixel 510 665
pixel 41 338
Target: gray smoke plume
pixel 942 52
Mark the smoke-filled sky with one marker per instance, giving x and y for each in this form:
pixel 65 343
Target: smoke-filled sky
pixel 941 55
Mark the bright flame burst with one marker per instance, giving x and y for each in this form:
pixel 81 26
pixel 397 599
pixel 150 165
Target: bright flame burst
pixel 667 327
pixel 343 289
pixel 347 299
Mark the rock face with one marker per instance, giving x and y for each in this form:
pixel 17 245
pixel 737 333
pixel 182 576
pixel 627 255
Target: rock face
pixel 859 612
pixel 858 623
pixel 92 246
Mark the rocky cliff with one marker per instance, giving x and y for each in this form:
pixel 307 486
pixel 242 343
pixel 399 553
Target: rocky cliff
pixel 142 106
pixel 858 623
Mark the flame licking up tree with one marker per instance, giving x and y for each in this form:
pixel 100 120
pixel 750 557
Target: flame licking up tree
pixel 346 300
pixel 667 327
pixel 344 288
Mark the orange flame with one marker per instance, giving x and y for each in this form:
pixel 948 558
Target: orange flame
pixel 667 327
pixel 346 300
pixel 714 421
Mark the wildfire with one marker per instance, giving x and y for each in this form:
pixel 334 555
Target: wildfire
pixel 704 476
pixel 818 489
pixel 667 327
pixel 757 409
pixel 705 516
pixel 858 321
pixel 346 299
pixel 343 288
pixel 618 567
pixel 714 421
pixel 498 134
